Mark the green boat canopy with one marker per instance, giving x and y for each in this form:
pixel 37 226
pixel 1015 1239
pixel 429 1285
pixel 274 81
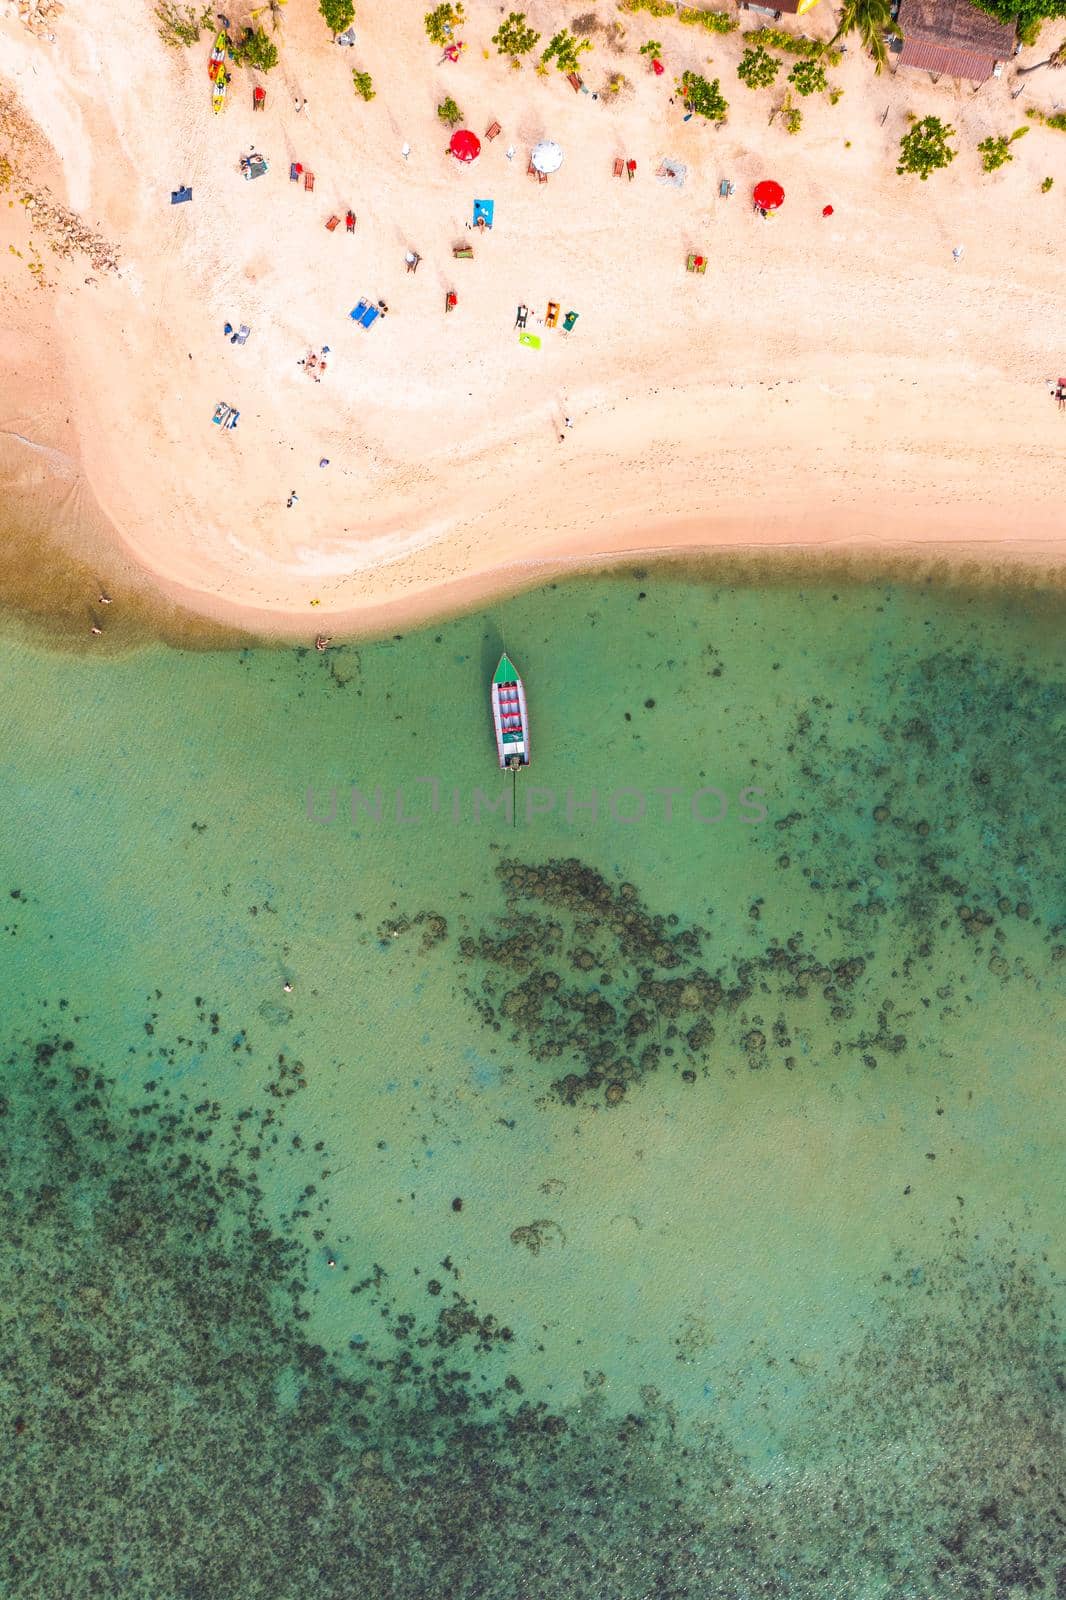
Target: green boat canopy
pixel 506 672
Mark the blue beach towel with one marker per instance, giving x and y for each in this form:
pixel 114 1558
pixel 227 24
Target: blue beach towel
pixel 370 315
pixel 357 314
pixel 484 208
pixel 178 195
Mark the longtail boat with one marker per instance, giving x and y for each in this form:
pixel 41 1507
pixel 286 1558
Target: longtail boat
pixel 510 716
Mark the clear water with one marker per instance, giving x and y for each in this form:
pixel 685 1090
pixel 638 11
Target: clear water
pixel 609 1208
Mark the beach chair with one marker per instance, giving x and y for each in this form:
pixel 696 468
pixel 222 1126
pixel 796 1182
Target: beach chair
pixel 370 316
pixel 725 188
pixel 631 170
pixel 619 166
pixel 295 169
pixel 520 318
pixel 349 222
pixel 542 177
pixel 309 181
pixel 696 264
pixel 574 80
pixel 357 313
pixel 242 333
pixel 463 252
pixel 451 300
pixel 411 260
pixel 177 196
pixel 493 131
pixel 552 318
pixel 334 222
pixel 569 320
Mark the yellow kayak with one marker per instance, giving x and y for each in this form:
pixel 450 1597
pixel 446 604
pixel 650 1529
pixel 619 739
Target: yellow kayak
pixel 218 99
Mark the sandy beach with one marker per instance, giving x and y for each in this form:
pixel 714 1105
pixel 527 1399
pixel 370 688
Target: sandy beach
pixel 834 384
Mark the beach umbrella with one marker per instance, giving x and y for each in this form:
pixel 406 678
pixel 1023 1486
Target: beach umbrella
pixel 465 146
pixel 768 195
pixel 547 157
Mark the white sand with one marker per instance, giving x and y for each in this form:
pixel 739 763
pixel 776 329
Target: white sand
pixel 834 383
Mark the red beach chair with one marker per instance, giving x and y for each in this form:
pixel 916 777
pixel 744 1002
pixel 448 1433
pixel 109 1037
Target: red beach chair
pixel 349 222
pixel 333 222
pixel 619 166
pixel 451 300
pixel 309 180
pixel 259 99
pixel 493 131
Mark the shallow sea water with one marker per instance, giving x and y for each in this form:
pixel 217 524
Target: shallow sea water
pixel 611 1208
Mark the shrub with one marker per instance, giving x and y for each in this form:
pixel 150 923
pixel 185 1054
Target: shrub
pixel 652 48
pixel 364 86
pixel 338 14
pixel 758 68
pixel 656 8
pixel 925 148
pixel 791 115
pixel 1047 185
pixel 713 21
pixel 514 37
pixel 256 50
pixel 179 26
pixel 778 39
pixel 706 99
pixel 996 152
pixel 441 23
pixel 808 77
pixel 564 50
pixel 449 112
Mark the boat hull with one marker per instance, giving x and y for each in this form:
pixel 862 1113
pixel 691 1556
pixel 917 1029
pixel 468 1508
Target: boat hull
pixel 510 716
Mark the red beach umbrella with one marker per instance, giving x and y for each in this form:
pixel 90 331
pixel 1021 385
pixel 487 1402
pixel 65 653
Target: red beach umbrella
pixel 465 146
pixel 768 195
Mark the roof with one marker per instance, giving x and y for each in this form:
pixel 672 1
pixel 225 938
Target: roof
pixel 942 59
pixel 505 672
pixel 957 25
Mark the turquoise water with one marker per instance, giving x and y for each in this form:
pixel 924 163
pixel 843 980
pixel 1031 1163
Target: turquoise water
pixel 658 1207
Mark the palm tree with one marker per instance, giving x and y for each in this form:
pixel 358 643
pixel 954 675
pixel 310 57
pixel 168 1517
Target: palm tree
pixel 870 19
pixel 1057 58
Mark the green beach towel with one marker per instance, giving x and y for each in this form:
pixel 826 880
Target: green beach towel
pixel 532 339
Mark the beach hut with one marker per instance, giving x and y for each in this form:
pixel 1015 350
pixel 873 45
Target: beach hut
pixel 464 146
pixel 546 157
pixel 768 196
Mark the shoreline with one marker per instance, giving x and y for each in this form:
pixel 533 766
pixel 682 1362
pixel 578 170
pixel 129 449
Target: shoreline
pixel 833 392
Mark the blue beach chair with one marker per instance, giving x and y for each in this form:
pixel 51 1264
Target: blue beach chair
pixel 370 315
pixel 358 313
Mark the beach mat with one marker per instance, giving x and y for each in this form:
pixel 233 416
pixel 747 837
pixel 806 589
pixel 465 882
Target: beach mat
pixel 484 209
pixel 178 195
pixel 530 339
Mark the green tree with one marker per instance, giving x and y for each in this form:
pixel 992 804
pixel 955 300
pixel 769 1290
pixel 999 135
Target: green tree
pixel 808 77
pixel 179 25
pixel 564 50
pixel 758 68
pixel 442 22
pixel 1026 15
pixel 364 84
pixel 449 112
pixel 996 152
pixel 706 99
pixel 1047 185
pixel 871 20
pixel 925 148
pixel 339 14
pixel 653 48
pixel 256 50
pixel 515 38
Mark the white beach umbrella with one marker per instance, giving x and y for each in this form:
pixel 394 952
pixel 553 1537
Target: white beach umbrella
pixel 547 157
